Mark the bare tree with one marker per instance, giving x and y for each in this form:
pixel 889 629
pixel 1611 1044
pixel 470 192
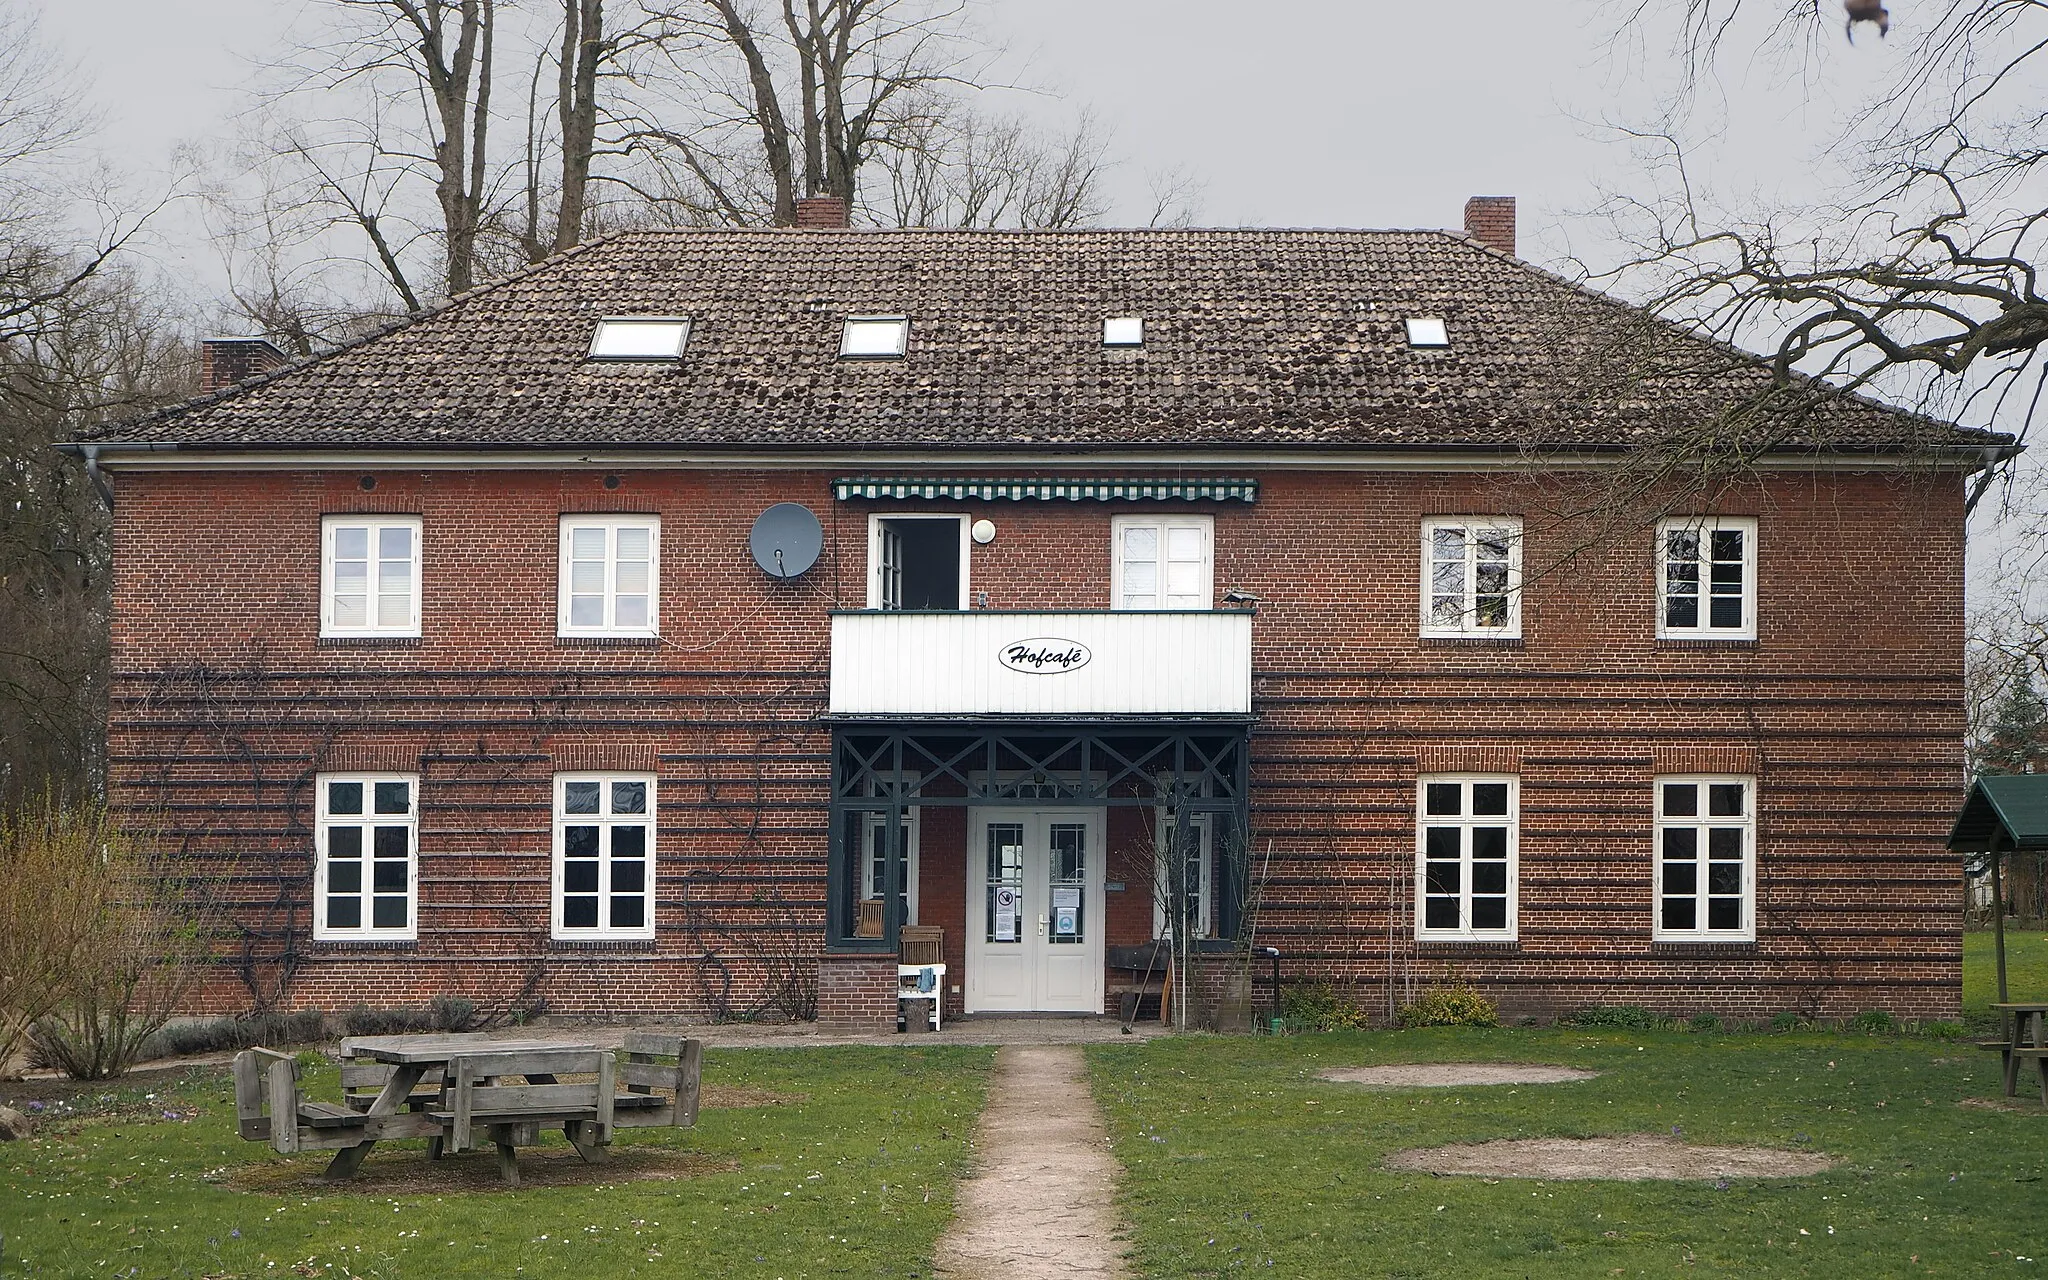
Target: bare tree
pixel 1920 281
pixel 954 168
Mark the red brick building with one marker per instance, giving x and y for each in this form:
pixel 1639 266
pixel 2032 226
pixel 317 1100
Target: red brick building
pixel 1297 582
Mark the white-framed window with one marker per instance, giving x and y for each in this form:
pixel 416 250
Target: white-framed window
pixel 874 860
pixel 639 338
pixel 918 560
pixel 610 576
pixel 1194 886
pixel 366 839
pixel 1706 577
pixel 1163 562
pixel 1466 853
pixel 1472 576
pixel 604 855
pixel 1706 858
pixel 370 576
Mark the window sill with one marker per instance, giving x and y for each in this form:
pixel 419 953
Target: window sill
pixel 368 642
pixel 1470 642
pixel 1467 946
pixel 607 642
pixel 335 946
pixel 600 944
pixel 1704 949
pixel 1705 642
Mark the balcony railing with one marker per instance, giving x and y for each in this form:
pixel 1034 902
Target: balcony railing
pixel 1074 663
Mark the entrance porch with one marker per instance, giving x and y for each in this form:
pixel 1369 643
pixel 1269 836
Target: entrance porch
pixel 1035 847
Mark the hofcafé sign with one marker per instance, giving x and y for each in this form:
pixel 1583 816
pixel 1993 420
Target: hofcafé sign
pixel 1044 656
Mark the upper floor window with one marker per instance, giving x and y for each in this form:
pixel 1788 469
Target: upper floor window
pixel 1706 858
pixel 370 576
pixel 1465 848
pixel 365 829
pixel 1472 576
pixel 1706 577
pixel 610 566
pixel 604 856
pixel 1163 562
pixel 917 562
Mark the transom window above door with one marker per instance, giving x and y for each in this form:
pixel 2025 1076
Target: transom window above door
pixel 1163 562
pixel 917 562
pixel 370 576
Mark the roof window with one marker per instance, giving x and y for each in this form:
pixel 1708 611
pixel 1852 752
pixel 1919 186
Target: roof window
pixel 1428 331
pixel 1123 331
pixel 874 338
pixel 639 338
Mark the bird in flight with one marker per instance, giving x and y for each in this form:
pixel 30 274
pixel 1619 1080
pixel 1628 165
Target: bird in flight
pixel 1867 11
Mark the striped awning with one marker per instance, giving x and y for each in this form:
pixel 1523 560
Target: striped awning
pixel 1051 489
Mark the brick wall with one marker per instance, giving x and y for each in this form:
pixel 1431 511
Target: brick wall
pixel 1847 709
pixel 857 993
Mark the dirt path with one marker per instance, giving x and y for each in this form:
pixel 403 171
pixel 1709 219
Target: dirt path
pixel 1042 1203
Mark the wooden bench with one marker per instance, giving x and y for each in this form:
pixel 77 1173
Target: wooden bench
pixel 270 1108
pixel 658 1062
pixel 361 1082
pixel 513 1115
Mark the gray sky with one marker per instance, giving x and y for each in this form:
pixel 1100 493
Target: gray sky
pixel 1290 113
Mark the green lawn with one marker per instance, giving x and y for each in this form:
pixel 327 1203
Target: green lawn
pixel 851 1175
pixel 2026 969
pixel 1237 1158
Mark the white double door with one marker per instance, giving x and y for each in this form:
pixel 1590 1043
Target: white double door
pixel 1034 910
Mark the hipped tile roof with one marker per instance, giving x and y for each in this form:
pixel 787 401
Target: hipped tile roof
pixel 1278 340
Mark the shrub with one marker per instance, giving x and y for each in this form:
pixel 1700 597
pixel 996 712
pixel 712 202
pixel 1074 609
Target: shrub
pixel 1941 1030
pixel 47 852
pixel 1704 1022
pixel 1455 1006
pixel 1789 1020
pixel 1316 1006
pixel 1621 1017
pixel 226 1035
pixel 1873 1022
pixel 146 932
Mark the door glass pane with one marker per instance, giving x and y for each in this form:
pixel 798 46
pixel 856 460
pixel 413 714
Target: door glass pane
pixel 1005 891
pixel 1067 870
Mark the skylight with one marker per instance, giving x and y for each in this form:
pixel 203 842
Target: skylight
pixel 1427 331
pixel 639 338
pixel 1123 331
pixel 875 337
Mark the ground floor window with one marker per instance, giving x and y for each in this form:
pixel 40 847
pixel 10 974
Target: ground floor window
pixel 365 831
pixel 1706 856
pixel 604 856
pixel 1184 889
pixel 1465 852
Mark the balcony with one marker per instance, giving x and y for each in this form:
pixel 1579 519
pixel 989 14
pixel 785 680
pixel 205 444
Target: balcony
pixel 1051 665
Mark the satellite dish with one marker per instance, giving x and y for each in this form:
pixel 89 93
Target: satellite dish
pixel 786 540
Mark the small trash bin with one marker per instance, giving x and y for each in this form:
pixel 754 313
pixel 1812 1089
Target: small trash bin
pixel 914 1013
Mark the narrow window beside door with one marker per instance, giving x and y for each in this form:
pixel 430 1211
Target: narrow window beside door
pixel 365 831
pixel 604 856
pixel 1184 891
pixel 874 867
pixel 1466 857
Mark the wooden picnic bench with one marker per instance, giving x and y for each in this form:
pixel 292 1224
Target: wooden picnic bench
pixel 450 1089
pixel 2025 1033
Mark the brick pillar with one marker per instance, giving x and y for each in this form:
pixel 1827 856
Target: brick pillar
pixel 225 361
pixel 1491 221
pixel 822 212
pixel 857 992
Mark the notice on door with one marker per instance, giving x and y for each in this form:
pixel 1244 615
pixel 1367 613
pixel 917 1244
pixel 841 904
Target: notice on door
pixel 1066 911
pixel 1006 914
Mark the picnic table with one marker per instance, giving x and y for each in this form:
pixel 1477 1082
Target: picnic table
pixel 449 1088
pixel 2025 1036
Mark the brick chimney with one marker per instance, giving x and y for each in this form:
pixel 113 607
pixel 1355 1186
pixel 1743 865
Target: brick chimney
pixel 225 361
pixel 1491 221
pixel 822 212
